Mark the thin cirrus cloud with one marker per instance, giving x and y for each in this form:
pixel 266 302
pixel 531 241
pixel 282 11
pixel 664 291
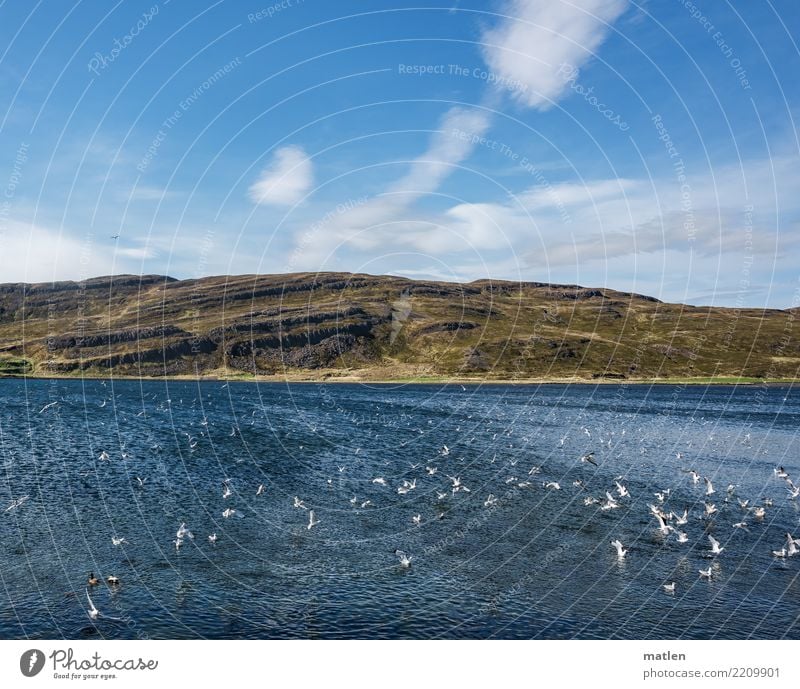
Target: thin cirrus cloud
pixel 526 49
pixel 286 180
pixel 576 30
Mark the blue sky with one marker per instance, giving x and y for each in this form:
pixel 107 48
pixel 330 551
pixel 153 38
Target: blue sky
pixel 644 146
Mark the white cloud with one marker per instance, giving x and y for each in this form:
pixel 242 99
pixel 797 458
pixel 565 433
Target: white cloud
pixel 526 50
pixel 286 180
pixel 29 253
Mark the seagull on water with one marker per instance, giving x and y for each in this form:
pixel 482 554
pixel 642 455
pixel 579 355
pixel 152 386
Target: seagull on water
pixel 621 552
pixel 669 588
pixel 230 512
pixel 380 481
pixel 405 560
pixel 94 613
pixel 553 485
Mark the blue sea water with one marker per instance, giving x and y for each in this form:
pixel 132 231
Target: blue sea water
pixel 537 563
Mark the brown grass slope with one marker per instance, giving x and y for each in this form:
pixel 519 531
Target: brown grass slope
pixel 379 327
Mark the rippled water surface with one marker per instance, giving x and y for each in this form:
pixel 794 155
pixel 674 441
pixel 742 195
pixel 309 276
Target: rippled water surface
pixel 537 563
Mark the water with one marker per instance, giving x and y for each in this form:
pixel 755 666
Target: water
pixel 537 564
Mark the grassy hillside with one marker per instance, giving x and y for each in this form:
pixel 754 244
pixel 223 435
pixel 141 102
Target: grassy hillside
pixel 342 324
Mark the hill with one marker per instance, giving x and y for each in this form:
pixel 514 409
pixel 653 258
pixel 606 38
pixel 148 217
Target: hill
pixel 313 326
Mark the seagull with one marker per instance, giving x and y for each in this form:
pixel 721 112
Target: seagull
pixel 118 541
pixel 610 503
pixel 94 613
pixel 705 573
pixel 312 521
pixel 622 490
pixel 444 451
pixel 183 532
pixel 380 481
pixel 682 537
pixel 779 553
pixel 621 552
pixel 759 512
pixel 417 519
pixel 695 476
pixel 490 501
pixel 535 470
pixel 553 485
pixel 299 504
pixel 212 538
pixel 113 580
pixel 709 487
pixel 663 527
pixel 740 525
pixel 141 481
pixel 715 549
pixel 366 503
pixel 16 503
pixel 440 495
pixel 743 504
pixel 710 509
pixel 669 588
pixel 104 456
pixel 261 489
pixel 114 236
pixel 683 519
pixel 589 458
pixel 405 560
pixel 226 491
pixel 431 470
pixel 47 406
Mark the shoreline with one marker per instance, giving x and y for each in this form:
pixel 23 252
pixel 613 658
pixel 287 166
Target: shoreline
pixel 731 381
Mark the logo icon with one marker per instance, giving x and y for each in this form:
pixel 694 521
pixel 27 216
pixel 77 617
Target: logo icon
pixel 31 662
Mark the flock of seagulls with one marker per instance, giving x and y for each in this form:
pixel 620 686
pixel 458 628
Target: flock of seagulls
pixel 669 523
pixel 439 476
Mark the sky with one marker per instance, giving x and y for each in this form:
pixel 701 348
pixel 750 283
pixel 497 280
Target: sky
pixel 641 145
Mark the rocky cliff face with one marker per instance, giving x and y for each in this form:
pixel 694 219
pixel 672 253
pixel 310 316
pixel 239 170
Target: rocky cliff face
pixel 381 327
